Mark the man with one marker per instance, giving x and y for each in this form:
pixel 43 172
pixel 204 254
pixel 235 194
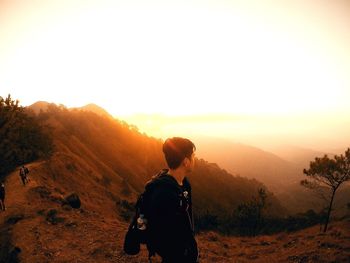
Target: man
pixel 26 172
pixel 2 197
pixel 22 174
pixel 171 220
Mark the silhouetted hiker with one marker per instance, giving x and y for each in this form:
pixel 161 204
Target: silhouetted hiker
pixel 23 171
pixel 26 172
pixel 165 209
pixel 2 197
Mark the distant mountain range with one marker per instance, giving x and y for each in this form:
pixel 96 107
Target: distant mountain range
pixel 123 159
pixel 301 156
pixel 43 105
pixel 280 173
pixel 96 109
pixel 251 162
pixel 39 106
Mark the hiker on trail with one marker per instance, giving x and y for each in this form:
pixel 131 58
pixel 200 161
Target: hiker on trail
pixel 171 218
pixel 2 197
pixel 23 171
pixel 26 172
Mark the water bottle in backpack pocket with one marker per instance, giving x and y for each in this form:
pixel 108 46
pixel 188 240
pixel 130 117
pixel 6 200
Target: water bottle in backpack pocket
pixel 137 232
pixel 141 222
pixel 141 229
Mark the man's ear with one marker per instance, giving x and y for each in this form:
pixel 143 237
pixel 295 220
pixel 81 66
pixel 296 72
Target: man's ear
pixel 186 162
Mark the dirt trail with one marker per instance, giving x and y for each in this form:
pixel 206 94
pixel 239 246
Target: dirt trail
pixel 16 192
pixel 79 235
pixel 96 236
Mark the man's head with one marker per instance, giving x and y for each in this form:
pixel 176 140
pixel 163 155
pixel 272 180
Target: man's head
pixel 179 152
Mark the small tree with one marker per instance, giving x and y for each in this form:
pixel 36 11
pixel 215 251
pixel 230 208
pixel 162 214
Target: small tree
pixel 330 174
pixel 23 137
pixel 250 214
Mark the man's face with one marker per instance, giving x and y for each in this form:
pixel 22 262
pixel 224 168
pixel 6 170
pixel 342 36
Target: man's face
pixel 189 163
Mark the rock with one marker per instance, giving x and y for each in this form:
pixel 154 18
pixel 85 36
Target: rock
pixel 73 200
pixel 53 218
pixel 14 219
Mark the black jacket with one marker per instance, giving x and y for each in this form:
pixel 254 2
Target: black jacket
pixel 2 192
pixel 172 220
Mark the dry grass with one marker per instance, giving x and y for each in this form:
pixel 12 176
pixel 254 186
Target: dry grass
pixel 95 232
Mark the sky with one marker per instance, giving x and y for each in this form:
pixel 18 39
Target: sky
pixel 262 68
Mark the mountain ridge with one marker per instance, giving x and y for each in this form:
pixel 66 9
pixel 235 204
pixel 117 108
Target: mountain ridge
pixel 92 107
pixel 106 163
pixel 282 177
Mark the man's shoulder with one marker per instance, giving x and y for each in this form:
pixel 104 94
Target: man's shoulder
pixel 162 184
pixel 163 190
pixel 162 179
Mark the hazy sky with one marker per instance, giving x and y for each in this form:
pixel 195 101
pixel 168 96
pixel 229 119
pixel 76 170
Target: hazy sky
pixel 256 58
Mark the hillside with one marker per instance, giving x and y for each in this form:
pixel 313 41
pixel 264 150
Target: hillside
pixel 298 155
pixel 121 159
pixel 39 106
pixel 44 231
pixel 281 175
pixel 251 162
pixel 96 109
pixel 106 162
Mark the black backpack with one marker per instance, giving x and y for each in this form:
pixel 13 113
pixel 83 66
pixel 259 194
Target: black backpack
pixel 135 236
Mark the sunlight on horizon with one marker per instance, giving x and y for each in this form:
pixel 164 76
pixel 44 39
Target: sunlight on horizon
pixel 265 59
pixel 265 132
pixel 214 58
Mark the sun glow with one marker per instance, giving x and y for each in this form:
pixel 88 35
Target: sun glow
pixel 172 60
pixel 259 71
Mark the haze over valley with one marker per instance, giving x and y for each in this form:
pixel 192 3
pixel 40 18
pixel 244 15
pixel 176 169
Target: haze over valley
pixel 90 90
